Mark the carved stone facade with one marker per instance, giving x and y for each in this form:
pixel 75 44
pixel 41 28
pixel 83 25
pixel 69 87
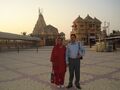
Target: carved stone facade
pixel 47 33
pixel 87 29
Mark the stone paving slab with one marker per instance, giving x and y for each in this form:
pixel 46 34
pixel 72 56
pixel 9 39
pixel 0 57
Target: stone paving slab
pixel 34 70
pixel 103 84
pixel 96 70
pixel 111 64
pixel 30 70
pixel 116 75
pixel 8 75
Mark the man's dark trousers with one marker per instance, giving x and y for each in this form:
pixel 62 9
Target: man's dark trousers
pixel 74 67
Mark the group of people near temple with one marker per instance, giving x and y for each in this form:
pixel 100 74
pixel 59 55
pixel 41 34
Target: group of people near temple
pixel 64 56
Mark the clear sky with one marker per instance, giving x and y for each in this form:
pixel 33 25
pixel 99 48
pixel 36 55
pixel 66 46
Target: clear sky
pixel 18 16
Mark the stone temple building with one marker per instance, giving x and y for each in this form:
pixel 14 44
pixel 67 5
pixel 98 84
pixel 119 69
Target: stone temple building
pixel 87 30
pixel 47 33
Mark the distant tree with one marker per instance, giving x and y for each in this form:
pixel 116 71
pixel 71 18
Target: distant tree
pixel 24 33
pixel 115 33
pixel 31 35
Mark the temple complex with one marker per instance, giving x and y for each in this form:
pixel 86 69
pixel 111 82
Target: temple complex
pixel 87 30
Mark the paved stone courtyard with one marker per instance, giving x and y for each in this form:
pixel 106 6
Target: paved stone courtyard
pixel 30 70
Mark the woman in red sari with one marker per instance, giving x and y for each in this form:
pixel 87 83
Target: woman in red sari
pixel 58 62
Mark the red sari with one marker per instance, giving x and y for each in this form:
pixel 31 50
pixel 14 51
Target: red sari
pixel 58 63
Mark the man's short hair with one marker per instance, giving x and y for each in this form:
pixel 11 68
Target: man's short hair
pixel 73 35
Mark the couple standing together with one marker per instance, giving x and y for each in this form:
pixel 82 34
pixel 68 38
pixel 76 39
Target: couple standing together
pixel 70 56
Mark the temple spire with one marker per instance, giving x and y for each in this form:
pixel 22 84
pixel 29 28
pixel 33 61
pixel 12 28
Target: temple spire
pixel 40 24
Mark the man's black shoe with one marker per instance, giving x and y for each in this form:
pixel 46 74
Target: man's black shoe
pixel 78 86
pixel 69 86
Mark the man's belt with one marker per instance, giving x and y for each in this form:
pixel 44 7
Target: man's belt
pixel 73 58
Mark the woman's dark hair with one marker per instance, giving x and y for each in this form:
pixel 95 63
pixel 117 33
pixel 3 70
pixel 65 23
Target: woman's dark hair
pixel 60 38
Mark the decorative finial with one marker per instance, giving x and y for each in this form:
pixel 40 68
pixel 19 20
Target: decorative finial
pixel 40 11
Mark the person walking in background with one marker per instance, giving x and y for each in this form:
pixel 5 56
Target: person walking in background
pixel 58 62
pixel 74 53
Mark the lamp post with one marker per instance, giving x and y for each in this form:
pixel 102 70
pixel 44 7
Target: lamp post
pixel 43 37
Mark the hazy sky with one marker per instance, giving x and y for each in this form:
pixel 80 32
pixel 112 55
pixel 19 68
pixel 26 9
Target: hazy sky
pixel 17 16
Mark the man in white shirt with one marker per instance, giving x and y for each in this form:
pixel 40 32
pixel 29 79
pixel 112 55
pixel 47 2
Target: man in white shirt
pixel 74 53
